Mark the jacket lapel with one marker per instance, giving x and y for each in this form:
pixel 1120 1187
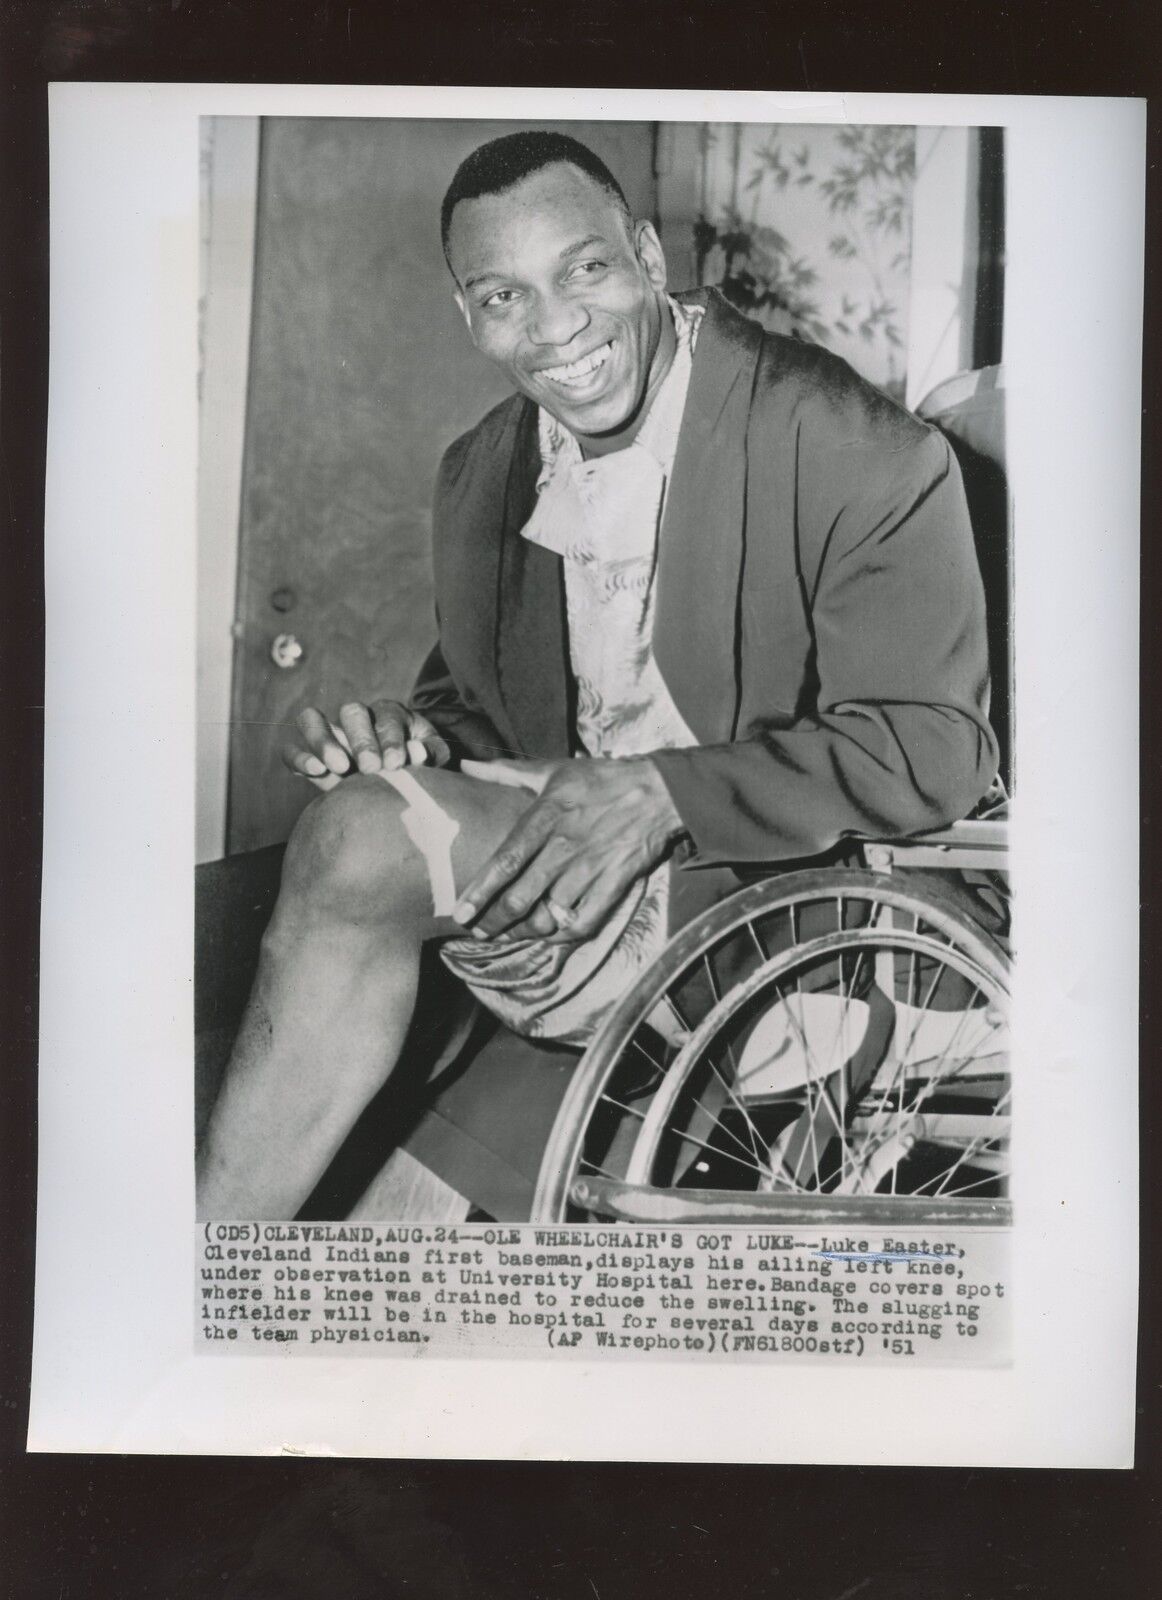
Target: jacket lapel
pixel 701 543
pixel 501 600
pixel 531 633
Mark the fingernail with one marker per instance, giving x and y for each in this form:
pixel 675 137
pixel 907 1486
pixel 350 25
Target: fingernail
pixel 463 912
pixel 368 761
pixel 417 754
pixel 478 933
pixel 314 767
pixel 394 758
pixel 337 762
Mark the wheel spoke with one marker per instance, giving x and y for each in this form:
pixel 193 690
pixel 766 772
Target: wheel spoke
pixel 630 1111
pixel 755 1138
pixel 841 1034
pixel 977 1144
pixel 812 1089
pixel 964 1188
pixel 928 1087
pixel 751 1150
pixel 755 1144
pixel 725 1155
pixel 880 1130
pixel 902 1056
pixel 679 1014
pixel 716 996
pixel 599 1171
pixel 755 1148
pixel 658 1066
pixel 938 1077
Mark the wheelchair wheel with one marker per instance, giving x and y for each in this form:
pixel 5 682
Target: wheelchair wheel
pixel 830 1046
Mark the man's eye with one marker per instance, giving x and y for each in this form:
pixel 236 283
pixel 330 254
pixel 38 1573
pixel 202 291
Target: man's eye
pixel 586 269
pixel 499 297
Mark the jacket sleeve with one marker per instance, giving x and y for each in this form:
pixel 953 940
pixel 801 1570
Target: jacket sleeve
pixel 467 729
pixel 898 740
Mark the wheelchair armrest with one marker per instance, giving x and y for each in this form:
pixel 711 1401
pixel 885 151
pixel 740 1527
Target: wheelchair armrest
pixel 977 843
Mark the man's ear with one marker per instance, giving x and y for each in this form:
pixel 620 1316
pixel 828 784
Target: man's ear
pixel 648 248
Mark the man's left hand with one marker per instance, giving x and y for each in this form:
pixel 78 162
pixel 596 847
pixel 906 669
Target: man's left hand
pixel 595 827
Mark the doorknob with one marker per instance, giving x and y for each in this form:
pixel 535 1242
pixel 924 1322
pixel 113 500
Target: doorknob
pixel 286 651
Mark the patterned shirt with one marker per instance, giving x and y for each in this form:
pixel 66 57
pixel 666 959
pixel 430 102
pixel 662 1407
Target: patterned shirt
pixel 602 517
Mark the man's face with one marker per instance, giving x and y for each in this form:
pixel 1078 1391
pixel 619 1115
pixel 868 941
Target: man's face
pixel 563 296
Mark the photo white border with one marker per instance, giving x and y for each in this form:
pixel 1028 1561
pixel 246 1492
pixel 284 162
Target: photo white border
pixel 114 1365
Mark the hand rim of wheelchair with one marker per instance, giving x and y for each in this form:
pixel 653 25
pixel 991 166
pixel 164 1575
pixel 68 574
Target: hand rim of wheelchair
pixel 953 940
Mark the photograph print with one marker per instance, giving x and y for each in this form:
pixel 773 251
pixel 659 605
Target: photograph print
pixel 605 694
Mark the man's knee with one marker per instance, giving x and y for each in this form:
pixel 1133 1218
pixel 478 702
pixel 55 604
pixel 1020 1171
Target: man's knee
pixel 349 854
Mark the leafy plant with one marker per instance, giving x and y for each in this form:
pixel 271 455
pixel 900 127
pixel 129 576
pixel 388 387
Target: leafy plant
pixel 867 192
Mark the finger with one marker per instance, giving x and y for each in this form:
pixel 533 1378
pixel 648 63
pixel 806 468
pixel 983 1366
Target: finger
pixel 508 862
pixel 322 740
pixel 425 746
pixel 304 765
pixel 528 891
pixel 355 720
pixel 532 775
pixel 391 729
pixel 539 924
pixel 575 881
pixel 588 913
pixel 303 762
pixel 589 890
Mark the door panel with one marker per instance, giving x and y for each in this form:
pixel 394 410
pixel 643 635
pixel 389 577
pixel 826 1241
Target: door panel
pixel 361 374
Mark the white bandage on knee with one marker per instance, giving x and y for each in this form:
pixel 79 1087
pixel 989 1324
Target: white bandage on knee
pixel 431 830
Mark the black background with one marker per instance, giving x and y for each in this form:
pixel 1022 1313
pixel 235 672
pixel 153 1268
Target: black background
pixel 163 1527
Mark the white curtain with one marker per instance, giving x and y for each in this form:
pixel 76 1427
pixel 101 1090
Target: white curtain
pixel 809 229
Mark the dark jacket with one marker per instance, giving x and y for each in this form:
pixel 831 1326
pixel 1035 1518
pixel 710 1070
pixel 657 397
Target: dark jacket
pixel 819 622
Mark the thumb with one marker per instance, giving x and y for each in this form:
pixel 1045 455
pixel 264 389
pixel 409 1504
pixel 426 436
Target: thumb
pixel 511 774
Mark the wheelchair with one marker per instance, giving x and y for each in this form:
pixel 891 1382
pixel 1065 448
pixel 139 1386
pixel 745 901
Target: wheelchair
pixel 829 1046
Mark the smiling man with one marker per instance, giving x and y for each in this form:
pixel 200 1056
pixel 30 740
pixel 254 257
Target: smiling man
pixel 706 600
pixel 604 304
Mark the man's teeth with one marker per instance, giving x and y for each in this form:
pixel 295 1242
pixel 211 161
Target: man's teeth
pixel 576 370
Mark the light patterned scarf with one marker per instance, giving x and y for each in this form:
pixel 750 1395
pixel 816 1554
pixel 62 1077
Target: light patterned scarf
pixel 602 517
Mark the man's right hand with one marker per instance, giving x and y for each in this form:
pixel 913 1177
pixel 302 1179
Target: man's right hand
pixel 382 736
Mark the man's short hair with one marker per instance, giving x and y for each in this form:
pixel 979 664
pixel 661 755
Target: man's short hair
pixel 502 163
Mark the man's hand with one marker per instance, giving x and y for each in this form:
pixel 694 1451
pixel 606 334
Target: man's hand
pixel 594 828
pixel 382 736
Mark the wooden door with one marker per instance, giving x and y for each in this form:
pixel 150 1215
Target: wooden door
pixel 361 374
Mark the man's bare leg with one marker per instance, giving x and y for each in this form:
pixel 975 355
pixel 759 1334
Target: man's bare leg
pixel 336 986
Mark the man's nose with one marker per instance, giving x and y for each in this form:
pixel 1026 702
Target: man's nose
pixel 557 320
